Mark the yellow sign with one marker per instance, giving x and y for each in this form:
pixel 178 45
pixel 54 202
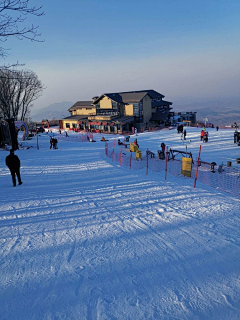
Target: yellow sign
pixel 186 166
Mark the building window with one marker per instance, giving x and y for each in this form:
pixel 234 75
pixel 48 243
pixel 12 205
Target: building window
pixel 135 109
pixel 68 125
pixel 74 125
pixel 114 105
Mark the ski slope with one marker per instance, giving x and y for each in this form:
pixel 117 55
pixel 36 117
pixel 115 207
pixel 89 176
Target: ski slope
pixel 86 238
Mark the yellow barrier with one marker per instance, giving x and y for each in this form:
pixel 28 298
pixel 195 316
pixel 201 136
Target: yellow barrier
pixel 138 155
pixel 186 167
pixel 133 147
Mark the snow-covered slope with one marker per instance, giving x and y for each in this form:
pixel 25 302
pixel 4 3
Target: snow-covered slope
pixel 86 238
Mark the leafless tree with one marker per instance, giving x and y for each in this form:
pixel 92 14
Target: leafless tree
pixel 13 15
pixel 18 89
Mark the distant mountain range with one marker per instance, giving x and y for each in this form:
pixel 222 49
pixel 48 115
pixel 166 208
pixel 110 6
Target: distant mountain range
pixel 224 111
pixel 54 111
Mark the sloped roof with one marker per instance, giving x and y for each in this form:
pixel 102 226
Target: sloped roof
pixel 123 119
pixel 130 96
pixel 160 103
pixel 152 93
pixel 81 104
pixel 76 117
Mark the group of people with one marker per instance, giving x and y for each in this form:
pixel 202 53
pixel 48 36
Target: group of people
pixel 204 136
pixel 53 143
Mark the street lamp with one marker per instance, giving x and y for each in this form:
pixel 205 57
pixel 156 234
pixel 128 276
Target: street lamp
pixel 205 120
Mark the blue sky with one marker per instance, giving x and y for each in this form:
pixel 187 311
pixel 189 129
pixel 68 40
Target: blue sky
pixel 183 49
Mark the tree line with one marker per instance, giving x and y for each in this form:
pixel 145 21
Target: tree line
pixel 18 88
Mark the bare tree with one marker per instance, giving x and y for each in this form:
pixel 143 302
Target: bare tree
pixel 18 89
pixel 13 14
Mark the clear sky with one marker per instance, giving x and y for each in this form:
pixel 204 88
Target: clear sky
pixel 181 48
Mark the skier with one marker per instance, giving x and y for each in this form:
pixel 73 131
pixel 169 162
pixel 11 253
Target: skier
pixel 13 163
pixel 205 137
pixel 184 134
pixel 136 143
pixel 163 146
pixel 51 142
pixel 54 143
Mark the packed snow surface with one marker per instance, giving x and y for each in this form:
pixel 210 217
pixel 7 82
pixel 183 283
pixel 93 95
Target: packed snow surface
pixel 86 238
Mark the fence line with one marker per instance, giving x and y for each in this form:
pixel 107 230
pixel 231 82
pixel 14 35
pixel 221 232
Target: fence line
pixel 84 137
pixel 224 178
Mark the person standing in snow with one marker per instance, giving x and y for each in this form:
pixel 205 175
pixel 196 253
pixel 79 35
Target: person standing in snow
pixel 136 143
pixel 51 142
pixel 184 134
pixel 13 163
pixel 163 146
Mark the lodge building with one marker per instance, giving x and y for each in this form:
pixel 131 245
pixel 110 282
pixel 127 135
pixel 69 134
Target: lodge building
pixel 118 112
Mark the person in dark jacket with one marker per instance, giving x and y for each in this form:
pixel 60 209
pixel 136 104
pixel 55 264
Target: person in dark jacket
pixel 13 163
pixel 184 134
pixel 163 146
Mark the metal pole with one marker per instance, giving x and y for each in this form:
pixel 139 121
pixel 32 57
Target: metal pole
pixel 147 164
pixel 113 149
pixel 166 164
pixel 197 166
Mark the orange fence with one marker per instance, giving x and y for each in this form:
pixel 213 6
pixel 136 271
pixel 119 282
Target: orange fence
pixel 217 176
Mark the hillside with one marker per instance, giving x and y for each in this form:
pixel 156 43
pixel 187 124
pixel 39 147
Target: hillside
pixel 54 111
pixel 88 237
pixel 218 111
pixel 223 111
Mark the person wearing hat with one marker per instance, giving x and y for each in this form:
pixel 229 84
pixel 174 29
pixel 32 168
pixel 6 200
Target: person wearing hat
pixel 13 163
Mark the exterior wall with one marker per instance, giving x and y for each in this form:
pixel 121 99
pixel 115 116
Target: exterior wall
pixel 129 110
pixel 147 108
pixel 71 122
pixel 84 111
pixel 105 103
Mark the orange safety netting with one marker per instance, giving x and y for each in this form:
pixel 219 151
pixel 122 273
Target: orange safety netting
pixel 218 176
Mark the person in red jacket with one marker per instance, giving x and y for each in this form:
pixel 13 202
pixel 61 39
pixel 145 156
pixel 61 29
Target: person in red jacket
pixel 13 163
pixel 163 146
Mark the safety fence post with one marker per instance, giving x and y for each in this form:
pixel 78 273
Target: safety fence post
pixel 147 164
pixel 131 160
pixel 106 148
pixel 120 156
pixel 113 149
pixel 197 166
pixel 166 164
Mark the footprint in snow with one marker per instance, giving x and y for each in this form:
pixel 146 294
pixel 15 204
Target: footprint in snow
pixel 109 298
pixel 133 301
pixel 79 270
